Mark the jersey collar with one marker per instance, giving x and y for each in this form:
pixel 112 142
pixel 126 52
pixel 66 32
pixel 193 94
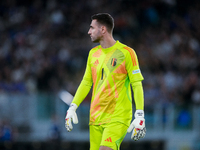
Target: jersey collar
pixel 106 50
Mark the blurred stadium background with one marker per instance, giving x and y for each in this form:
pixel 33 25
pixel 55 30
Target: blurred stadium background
pixel 44 47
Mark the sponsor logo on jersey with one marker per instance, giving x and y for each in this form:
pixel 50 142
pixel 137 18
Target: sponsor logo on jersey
pixel 136 71
pixel 96 62
pixel 108 139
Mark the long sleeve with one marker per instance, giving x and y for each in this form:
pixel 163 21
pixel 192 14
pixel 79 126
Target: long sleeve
pixel 135 76
pixel 84 86
pixel 82 92
pixel 138 95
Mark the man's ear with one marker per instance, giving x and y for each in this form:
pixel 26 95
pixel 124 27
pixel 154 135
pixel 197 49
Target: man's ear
pixel 103 29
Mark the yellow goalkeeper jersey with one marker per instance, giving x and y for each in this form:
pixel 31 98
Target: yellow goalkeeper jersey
pixel 111 71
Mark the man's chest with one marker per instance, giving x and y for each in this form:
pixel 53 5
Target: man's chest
pixel 107 63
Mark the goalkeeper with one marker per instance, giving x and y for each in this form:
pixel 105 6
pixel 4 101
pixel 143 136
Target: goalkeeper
pixel 111 68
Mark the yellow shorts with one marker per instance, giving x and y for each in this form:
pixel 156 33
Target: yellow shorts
pixel 110 135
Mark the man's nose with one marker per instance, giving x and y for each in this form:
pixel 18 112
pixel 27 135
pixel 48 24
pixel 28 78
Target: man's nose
pixel 89 32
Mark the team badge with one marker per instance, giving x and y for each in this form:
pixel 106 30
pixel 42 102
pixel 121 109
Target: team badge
pixel 113 62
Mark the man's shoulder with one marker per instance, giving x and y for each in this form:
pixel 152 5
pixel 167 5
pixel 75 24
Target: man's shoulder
pixel 95 48
pixel 124 48
pixel 95 51
pixel 120 44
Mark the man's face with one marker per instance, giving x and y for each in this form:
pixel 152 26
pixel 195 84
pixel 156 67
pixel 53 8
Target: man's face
pixel 95 31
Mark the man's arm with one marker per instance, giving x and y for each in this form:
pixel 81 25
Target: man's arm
pixel 80 95
pixel 138 124
pixel 85 85
pixel 135 76
pixel 138 95
pixel 82 92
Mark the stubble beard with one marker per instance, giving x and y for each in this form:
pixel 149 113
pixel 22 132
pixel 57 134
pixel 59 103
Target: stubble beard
pixel 96 40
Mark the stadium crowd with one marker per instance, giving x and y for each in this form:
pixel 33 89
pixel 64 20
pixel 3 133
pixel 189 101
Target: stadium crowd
pixel 44 44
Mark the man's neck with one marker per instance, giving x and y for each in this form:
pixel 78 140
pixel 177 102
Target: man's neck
pixel 107 42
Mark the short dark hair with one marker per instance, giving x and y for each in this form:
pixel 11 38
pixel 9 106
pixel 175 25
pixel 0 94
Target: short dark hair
pixel 105 19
